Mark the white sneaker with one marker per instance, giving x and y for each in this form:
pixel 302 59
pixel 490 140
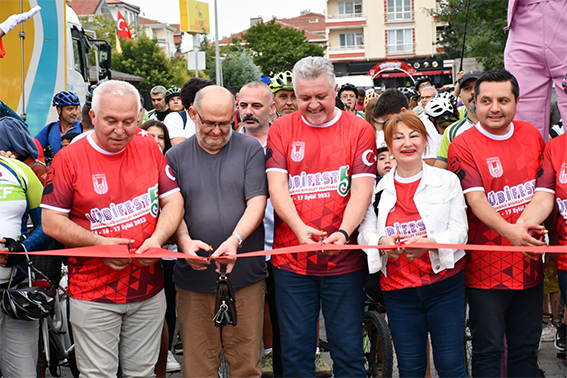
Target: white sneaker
pixel 172 364
pixel 548 332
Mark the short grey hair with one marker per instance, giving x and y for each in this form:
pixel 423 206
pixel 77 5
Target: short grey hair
pixel 199 98
pixel 312 67
pixel 115 87
pixel 259 84
pixel 432 89
pixel 158 89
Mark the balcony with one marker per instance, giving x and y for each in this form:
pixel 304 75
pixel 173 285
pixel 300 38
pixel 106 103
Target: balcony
pixel 399 17
pixel 345 21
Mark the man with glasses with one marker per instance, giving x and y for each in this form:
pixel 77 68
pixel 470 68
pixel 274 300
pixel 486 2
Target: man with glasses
pixel 221 177
pixel 348 94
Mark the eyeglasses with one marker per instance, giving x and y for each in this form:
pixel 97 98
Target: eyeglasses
pixel 211 125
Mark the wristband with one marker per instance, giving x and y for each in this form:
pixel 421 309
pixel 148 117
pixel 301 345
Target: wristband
pixel 382 252
pixel 240 240
pixel 347 238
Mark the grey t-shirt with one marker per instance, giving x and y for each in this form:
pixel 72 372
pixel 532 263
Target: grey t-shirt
pixel 215 189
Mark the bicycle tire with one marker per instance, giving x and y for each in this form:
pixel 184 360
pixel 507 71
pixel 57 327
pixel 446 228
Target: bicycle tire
pixel 223 367
pixel 467 344
pixel 376 334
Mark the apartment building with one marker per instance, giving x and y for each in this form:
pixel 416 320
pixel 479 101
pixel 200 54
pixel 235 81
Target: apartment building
pixel 387 39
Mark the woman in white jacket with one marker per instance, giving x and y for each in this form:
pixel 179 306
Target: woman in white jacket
pixel 424 290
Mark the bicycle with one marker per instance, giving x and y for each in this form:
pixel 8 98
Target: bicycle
pixel 57 347
pixel 377 342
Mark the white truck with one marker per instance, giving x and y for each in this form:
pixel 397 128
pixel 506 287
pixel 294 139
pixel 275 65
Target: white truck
pixel 46 55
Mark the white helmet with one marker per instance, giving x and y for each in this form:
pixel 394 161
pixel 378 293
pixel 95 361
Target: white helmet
pixel 441 107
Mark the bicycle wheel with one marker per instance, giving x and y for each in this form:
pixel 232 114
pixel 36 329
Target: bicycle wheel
pixel 377 345
pixel 223 367
pixel 467 340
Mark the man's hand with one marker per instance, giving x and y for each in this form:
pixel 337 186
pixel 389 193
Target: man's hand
pixel 147 244
pixel 198 263
pixel 520 234
pixel 7 154
pixel 336 238
pixel 307 235
pixel 228 251
pixel 3 254
pixel 116 264
pixel 413 253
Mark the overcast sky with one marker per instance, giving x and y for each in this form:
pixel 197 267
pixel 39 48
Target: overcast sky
pixel 234 15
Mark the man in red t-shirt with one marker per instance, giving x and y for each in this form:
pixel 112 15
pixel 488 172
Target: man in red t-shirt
pixel 321 166
pixel 114 187
pixel 498 161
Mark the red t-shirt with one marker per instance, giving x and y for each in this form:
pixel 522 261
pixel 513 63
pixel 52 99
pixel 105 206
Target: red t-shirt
pixel 505 168
pixel 321 161
pixel 554 180
pixel 405 220
pixel 113 195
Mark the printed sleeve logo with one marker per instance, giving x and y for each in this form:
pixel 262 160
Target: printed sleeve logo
pixel 99 183
pixel 297 151
pixel 169 173
pixel 368 158
pixel 495 167
pixel 143 133
pixel 563 174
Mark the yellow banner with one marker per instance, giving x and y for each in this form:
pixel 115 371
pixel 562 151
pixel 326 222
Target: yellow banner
pixel 194 16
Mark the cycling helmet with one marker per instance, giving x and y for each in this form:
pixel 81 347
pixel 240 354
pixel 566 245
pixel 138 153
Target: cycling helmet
pixel 89 97
pixel 347 87
pixel 369 97
pixel 421 80
pixel 65 98
pixel 564 84
pixel 283 80
pixel 29 303
pixel 408 92
pixel 440 107
pixel 449 96
pixel 172 92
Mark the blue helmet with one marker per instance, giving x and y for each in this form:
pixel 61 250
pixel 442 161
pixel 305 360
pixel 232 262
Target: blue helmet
pixel 65 98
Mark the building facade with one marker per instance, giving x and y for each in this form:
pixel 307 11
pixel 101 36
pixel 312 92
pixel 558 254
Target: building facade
pixel 387 39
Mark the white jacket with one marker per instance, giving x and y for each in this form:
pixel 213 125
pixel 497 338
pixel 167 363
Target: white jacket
pixel 441 204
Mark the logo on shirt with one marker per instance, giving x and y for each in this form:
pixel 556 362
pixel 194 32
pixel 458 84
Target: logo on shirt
pixel 100 184
pixel 297 151
pixel 563 174
pixel 495 167
pixel 368 158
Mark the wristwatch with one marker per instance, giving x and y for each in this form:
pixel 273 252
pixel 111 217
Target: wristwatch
pixel 240 240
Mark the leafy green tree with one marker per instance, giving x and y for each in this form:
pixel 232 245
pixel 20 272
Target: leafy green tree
pixel 277 49
pixel 238 68
pixel 485 35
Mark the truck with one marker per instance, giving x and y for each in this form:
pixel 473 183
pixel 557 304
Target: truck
pixel 44 56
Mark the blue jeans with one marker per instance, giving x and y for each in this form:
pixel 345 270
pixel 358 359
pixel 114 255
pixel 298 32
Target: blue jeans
pixel 438 309
pixel 299 299
pixel 515 314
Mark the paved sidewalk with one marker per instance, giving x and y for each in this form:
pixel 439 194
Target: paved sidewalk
pixel 554 367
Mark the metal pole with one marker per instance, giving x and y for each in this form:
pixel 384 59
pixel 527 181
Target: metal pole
pixel 465 35
pixel 22 36
pixel 196 49
pixel 217 54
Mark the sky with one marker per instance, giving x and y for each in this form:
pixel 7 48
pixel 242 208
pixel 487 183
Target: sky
pixel 234 15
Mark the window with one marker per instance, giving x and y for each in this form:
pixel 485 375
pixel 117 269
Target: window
pixel 350 8
pixel 399 10
pixel 351 40
pixel 400 41
pixel 80 53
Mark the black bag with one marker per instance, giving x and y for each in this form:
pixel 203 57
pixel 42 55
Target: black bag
pixel 226 301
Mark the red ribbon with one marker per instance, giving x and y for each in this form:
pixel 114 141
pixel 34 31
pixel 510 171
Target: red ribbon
pixel 122 251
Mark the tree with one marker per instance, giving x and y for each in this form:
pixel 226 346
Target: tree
pixel 485 35
pixel 277 49
pixel 238 68
pixel 143 57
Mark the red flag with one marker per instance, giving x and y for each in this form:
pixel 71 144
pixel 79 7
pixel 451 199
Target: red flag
pixel 122 27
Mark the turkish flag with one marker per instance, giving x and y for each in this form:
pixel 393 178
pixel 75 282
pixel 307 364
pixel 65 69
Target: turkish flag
pixel 122 27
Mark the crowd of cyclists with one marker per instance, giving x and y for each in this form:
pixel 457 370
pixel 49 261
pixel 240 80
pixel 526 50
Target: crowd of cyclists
pixel 295 162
